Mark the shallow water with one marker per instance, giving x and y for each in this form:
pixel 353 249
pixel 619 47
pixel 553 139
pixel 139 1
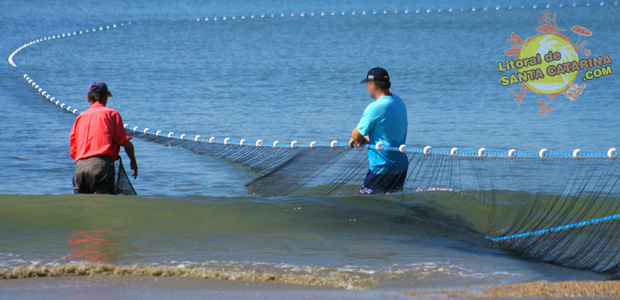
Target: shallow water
pixel 285 79
pixel 344 242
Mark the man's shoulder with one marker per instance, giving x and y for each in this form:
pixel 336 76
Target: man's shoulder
pixel 396 100
pixel 101 110
pixel 372 108
pixel 382 102
pixel 112 112
pixel 393 97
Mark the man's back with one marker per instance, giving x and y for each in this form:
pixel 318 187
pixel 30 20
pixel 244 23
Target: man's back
pixel 97 131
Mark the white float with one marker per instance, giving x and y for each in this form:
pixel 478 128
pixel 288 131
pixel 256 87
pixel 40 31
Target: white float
pixel 543 153
pixel 427 150
pixel 511 153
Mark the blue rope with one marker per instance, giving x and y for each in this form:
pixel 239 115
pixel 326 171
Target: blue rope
pixel 554 229
pixel 413 150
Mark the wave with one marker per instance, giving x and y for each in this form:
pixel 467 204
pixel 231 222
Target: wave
pixel 329 278
pixel 348 277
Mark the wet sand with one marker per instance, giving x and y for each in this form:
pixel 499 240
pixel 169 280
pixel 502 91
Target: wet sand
pixel 563 289
pixel 536 289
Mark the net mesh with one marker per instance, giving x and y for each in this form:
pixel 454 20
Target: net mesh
pixel 123 184
pixel 560 209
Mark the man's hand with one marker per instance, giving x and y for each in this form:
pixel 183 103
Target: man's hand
pixel 352 143
pixel 130 152
pixel 357 139
pixel 134 167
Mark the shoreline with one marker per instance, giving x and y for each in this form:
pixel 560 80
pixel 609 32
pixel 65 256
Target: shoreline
pixel 150 287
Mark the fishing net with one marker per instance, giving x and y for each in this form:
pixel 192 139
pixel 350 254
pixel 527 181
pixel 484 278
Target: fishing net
pixel 556 207
pixel 553 207
pixel 123 184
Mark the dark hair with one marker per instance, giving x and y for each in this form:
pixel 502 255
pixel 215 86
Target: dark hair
pixel 96 97
pixel 384 86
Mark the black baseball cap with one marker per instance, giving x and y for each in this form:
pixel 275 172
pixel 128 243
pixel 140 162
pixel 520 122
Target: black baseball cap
pixel 377 74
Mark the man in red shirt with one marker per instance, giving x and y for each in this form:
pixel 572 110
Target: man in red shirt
pixel 96 138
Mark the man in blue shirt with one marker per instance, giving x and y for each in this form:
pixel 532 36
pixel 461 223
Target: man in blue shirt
pixel 384 121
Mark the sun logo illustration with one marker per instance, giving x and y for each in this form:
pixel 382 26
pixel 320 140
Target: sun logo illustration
pixel 548 63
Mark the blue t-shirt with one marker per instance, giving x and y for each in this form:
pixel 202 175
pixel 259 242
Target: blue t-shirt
pixel 385 120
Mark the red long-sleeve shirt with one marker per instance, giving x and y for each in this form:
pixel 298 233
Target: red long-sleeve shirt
pixel 97 131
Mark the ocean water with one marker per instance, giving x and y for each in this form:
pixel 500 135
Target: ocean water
pixel 281 78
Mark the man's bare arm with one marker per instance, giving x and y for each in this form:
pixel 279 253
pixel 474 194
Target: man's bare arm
pixel 132 156
pixel 357 139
